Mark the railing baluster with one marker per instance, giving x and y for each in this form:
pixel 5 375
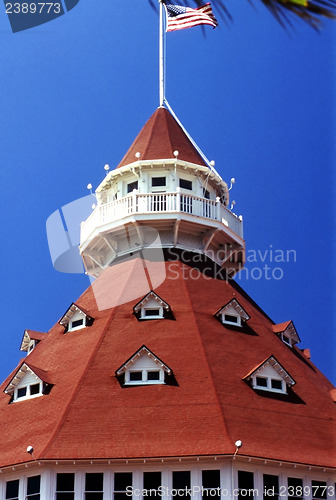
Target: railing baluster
pixel 160 202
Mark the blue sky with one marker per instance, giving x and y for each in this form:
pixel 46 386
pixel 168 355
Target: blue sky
pixel 257 99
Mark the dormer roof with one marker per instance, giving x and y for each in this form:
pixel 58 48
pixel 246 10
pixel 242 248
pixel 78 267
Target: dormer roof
pixel 28 336
pixel 159 138
pixel 143 351
pixel 73 309
pixel 288 329
pixel 234 305
pixel 150 297
pixel 23 369
pixel 277 367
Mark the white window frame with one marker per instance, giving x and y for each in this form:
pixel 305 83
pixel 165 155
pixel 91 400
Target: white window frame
pixel 158 189
pixel 269 387
pixel 31 346
pixel 158 316
pixel 226 322
pixel 28 395
pixel 144 380
pixel 79 327
pixel 285 341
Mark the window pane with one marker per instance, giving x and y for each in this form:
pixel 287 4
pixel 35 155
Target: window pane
pixel 261 381
pixel 246 483
pixel 211 482
pixel 153 375
pixel 158 181
pixel 184 184
pixel 295 487
pixel 271 486
pixel 12 489
pixel 65 496
pixel 181 481
pixel 76 323
pixel 33 485
pixel 135 376
pixel 122 480
pixel 94 496
pixel 319 489
pixel 131 186
pixel 65 482
pixel 276 384
pixel 34 389
pixel 233 319
pixel 151 482
pixel 22 392
pixel 152 312
pixel 94 482
pixel 206 194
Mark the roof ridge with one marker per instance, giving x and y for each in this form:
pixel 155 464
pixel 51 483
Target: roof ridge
pixel 152 129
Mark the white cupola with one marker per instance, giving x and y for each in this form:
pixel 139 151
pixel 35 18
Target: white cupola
pixel 162 183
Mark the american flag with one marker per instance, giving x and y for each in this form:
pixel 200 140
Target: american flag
pixel 179 17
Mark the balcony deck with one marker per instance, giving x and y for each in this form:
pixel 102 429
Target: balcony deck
pixel 160 203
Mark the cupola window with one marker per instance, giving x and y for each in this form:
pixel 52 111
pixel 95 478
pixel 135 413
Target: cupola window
pixel 287 333
pixel 132 186
pixel 75 319
pixel 158 181
pixel 151 307
pixel 206 194
pixel 185 184
pixel 143 368
pixel 232 314
pixel 270 376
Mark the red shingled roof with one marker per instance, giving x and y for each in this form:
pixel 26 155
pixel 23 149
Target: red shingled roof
pixel 159 138
pixel 88 414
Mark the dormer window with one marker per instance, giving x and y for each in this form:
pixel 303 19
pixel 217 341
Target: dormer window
pixel 232 314
pixel 143 368
pixel 75 319
pixel 145 376
pixel 270 376
pixel 30 340
pixel 28 392
pixel 77 323
pixel 31 346
pixel 151 307
pixel 287 333
pixel 27 383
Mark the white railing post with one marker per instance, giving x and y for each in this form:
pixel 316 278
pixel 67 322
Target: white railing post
pixel 218 210
pixel 178 199
pixel 134 201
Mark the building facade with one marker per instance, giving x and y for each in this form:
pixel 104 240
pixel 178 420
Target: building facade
pixel 165 379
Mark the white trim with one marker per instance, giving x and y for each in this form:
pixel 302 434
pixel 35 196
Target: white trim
pixel 269 387
pixel 144 380
pixel 16 398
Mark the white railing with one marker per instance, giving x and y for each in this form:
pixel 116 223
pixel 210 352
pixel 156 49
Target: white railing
pixel 147 203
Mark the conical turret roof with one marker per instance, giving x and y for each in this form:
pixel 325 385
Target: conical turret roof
pixel 89 414
pixel 159 138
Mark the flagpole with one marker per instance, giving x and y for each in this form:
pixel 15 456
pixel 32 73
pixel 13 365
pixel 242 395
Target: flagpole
pixel 162 75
